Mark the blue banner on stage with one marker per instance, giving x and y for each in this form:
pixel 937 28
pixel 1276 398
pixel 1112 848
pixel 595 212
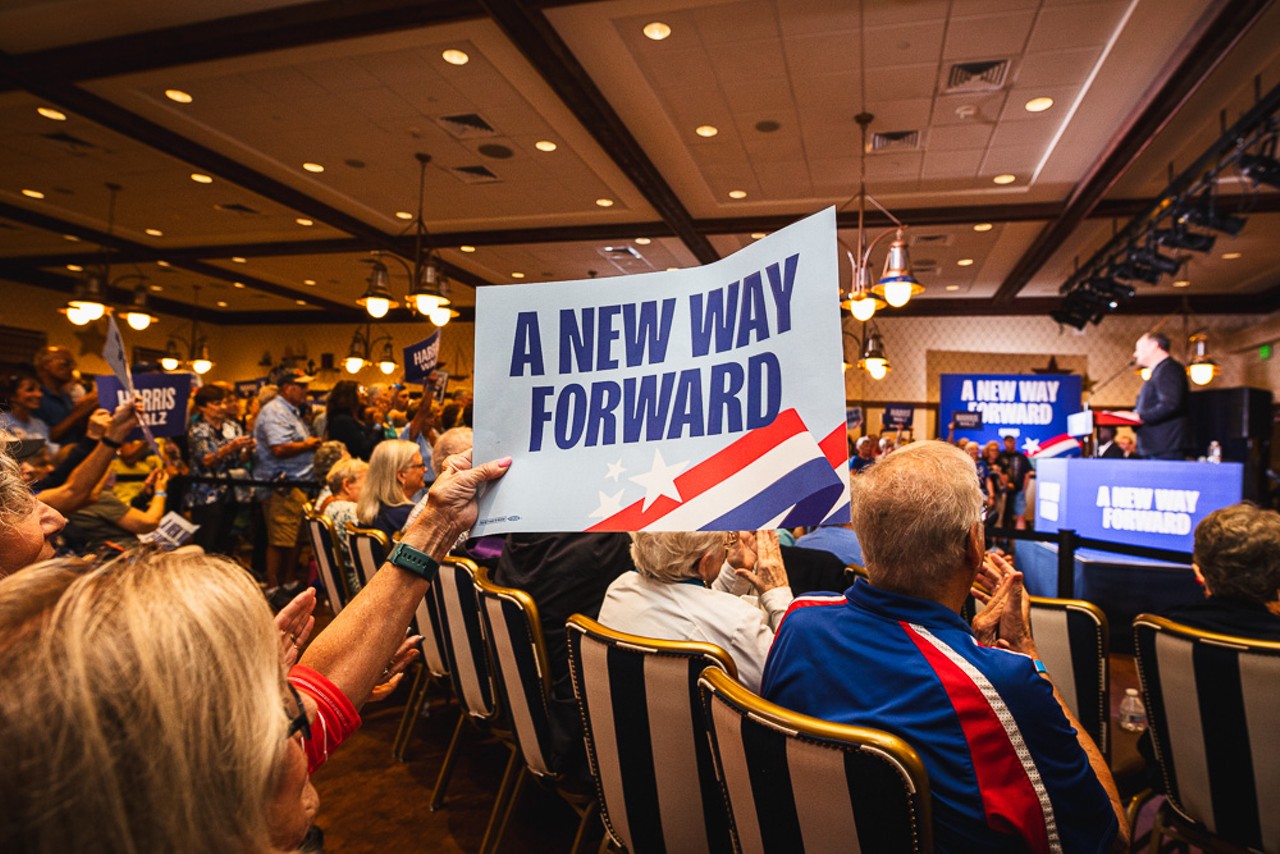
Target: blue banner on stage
pixel 164 399
pixel 421 358
pixel 898 415
pixel 1142 502
pixel 1033 408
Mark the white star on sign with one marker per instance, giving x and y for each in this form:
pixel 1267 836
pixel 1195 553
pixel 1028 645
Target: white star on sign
pixel 615 469
pixel 1030 446
pixel 660 480
pixel 609 504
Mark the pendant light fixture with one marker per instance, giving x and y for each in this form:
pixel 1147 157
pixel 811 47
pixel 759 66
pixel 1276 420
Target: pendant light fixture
pixel 197 345
pixel 1202 369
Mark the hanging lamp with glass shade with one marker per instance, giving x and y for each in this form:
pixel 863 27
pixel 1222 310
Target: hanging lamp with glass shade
pixel 429 291
pixel 137 315
pixel 376 298
pixel 1202 368
pixel 897 284
pixel 874 360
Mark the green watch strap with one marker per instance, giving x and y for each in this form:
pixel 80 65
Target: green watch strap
pixel 414 560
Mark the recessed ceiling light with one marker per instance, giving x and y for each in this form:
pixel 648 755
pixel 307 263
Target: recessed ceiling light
pixel 163 264
pixel 517 275
pixel 1182 283
pixel 706 130
pixel 1038 105
pixel 71 237
pixel 965 262
pixel 155 289
pixel 201 178
pixel 737 194
pixel 75 268
pixel 467 248
pixel 657 30
pixel 453 56
pixel 672 269
pixel 300 301
pixel 236 259
pixel 222 303
pixel 51 113
pixel 758 235
pixel 1006 178
pixel 643 241
pixel 312 167
pixel 178 96
pixel 33 194
pixel 237 284
pixel 952 287
pixel 983 226
pixel 545 145
pixel 403 215
pixel 308 281
pixel 605 203
pixel 154 232
pixel 1230 256
pixel 302 220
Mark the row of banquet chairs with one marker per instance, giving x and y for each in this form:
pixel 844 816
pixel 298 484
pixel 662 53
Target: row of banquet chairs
pixel 683 758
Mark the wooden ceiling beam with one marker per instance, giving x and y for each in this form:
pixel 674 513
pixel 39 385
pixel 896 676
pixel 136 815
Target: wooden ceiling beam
pixel 298 25
pixel 531 32
pixel 1188 68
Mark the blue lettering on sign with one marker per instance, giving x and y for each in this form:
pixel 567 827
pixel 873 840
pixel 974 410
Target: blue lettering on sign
pixel 719 321
pixel 528 346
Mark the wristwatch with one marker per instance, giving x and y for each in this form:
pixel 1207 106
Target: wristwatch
pixel 414 560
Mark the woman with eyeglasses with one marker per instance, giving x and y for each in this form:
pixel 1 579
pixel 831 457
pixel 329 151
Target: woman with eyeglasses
pixel 396 473
pixel 687 586
pixel 146 704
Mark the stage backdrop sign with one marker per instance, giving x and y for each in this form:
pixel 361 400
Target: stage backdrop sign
pixel 164 399
pixel 701 399
pixel 1142 502
pixel 420 359
pixel 1033 408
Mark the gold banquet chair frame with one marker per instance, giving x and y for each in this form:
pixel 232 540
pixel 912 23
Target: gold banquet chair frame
pixel 369 548
pixel 793 783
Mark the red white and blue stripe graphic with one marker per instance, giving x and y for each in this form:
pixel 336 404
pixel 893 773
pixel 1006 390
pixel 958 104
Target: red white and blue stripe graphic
pixel 1013 793
pixel 762 480
pixel 1061 445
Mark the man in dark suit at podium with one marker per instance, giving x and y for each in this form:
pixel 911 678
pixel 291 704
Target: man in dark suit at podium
pixel 1165 433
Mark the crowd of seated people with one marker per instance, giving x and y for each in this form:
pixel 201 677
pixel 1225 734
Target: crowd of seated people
pixel 1009 766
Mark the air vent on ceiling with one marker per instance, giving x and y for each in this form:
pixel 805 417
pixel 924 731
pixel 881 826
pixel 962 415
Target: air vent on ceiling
pixel 236 207
pixel 474 174
pixel 985 76
pixel 68 139
pixel 931 240
pixel 895 140
pixel 466 126
pixel 626 259
pixel 926 266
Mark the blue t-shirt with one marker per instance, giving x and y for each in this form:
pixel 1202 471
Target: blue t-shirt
pixel 841 542
pixel 1005 769
pixel 278 423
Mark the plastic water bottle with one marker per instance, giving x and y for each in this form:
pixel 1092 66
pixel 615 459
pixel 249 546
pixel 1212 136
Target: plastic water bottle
pixel 1215 452
pixel 1133 715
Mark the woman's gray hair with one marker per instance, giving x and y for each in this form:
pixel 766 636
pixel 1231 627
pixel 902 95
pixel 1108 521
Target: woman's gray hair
pixel 671 556
pixel 16 500
pixel 381 488
pixel 912 512
pixel 143 707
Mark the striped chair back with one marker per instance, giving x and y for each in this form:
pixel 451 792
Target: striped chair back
pixel 1214 719
pixel 1072 638
pixel 462 630
pixel 646 741
pixel 369 548
pixel 793 783
pixel 320 531
pixel 426 618
pixel 520 659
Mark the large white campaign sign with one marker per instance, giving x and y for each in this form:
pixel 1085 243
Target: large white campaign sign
pixel 702 399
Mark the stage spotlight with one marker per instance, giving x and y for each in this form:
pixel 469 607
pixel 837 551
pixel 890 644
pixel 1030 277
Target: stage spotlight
pixel 1261 169
pixel 1149 256
pixel 1204 214
pixel 1115 292
pixel 1132 271
pixel 1068 317
pixel 1179 237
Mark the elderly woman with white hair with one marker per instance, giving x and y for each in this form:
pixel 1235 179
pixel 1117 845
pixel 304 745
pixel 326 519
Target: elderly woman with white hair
pixel 686 587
